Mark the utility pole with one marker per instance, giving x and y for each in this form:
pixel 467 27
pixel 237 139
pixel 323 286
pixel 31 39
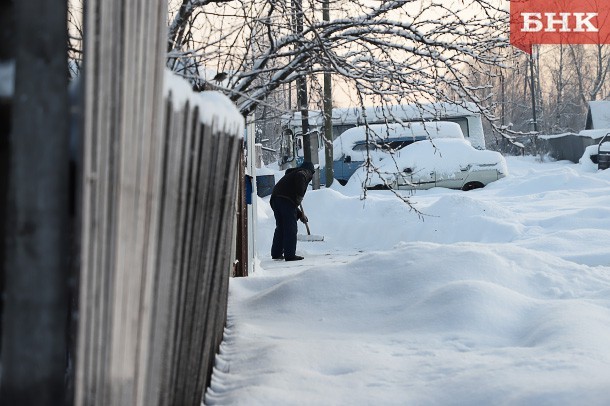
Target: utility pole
pixel 328 111
pixel 503 98
pixel 308 149
pixel 302 101
pixel 302 88
pixel 533 89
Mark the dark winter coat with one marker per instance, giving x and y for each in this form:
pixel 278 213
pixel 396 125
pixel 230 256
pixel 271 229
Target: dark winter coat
pixel 293 185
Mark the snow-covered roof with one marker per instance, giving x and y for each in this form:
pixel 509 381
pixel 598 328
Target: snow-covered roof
pixel 397 113
pixel 595 134
pixel 598 115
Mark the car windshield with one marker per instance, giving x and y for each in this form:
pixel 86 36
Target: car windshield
pixel 385 145
pixel 362 146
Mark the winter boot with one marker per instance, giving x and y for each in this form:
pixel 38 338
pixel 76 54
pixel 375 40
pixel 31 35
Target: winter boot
pixel 295 258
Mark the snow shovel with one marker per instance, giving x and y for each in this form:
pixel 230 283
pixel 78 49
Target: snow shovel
pixel 309 236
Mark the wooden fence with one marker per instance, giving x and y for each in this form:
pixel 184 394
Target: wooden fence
pixel 145 239
pixel 159 191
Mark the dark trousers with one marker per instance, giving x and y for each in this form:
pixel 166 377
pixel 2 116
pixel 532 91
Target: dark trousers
pixel 285 235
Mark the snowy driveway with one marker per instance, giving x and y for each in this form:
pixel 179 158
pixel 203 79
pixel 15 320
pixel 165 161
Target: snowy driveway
pixel 499 296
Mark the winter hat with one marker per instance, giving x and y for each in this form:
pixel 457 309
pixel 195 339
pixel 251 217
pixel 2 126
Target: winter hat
pixel 309 166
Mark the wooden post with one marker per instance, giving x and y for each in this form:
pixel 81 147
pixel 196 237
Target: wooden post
pixel 7 64
pixel 36 252
pixel 241 266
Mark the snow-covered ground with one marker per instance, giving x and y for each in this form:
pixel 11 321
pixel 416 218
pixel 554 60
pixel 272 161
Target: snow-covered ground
pixel 498 296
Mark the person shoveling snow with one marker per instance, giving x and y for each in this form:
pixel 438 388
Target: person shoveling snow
pixel 285 200
pixel 309 236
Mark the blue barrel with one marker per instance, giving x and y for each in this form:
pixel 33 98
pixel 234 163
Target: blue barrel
pixel 264 185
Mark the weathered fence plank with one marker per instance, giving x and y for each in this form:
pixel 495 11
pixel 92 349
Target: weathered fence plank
pixel 172 214
pixel 240 268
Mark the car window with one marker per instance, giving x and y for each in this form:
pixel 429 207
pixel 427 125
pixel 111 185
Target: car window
pixel 361 146
pixel 396 145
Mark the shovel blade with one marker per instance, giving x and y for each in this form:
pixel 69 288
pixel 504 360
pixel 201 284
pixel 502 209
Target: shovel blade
pixel 310 237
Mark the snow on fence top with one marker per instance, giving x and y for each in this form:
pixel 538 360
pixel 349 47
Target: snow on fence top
pixel 593 134
pixel 215 108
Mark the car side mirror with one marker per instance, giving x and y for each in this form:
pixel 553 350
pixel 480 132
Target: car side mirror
pixel 347 159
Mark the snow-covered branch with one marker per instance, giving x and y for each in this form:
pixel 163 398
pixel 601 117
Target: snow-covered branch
pixel 393 50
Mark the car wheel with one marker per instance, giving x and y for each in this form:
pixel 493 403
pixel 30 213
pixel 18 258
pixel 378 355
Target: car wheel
pixel 472 185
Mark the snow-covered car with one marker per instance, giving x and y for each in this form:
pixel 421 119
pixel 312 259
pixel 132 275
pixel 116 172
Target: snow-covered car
pixel 350 149
pixel 450 163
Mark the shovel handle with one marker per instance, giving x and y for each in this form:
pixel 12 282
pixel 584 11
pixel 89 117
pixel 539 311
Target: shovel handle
pixel 306 224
